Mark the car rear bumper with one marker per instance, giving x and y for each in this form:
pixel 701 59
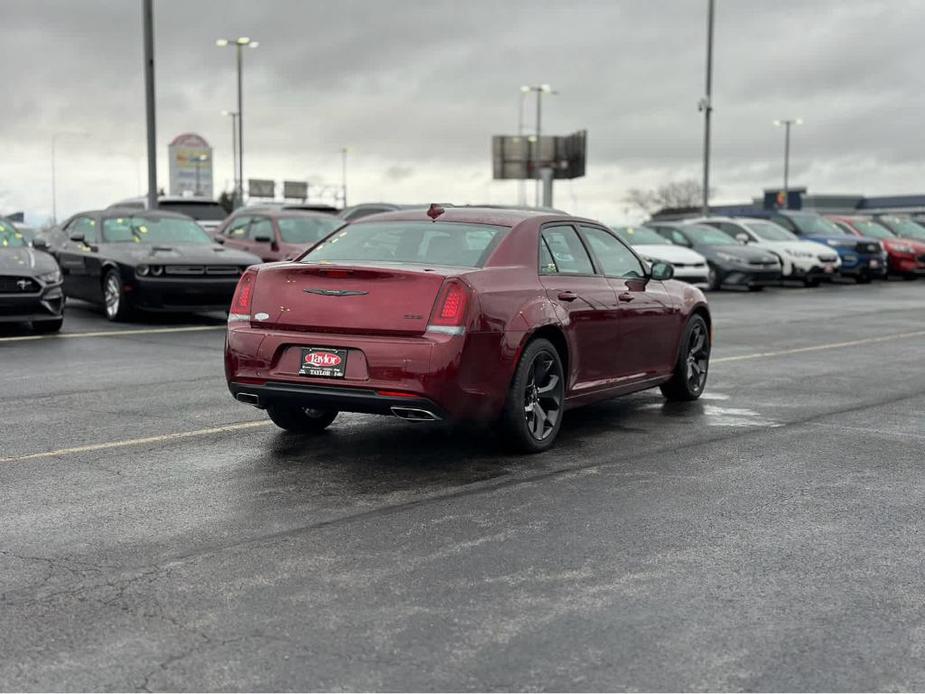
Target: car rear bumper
pixel 196 294
pixel 45 305
pixel 459 377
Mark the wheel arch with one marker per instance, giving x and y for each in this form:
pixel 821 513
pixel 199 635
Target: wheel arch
pixel 554 334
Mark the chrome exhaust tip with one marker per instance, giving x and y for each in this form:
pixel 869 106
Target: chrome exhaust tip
pixel 248 398
pixel 414 414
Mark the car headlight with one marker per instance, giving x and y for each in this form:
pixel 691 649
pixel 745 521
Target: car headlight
pixel 53 277
pixel 157 270
pixel 902 248
pixel 142 270
pixel 729 258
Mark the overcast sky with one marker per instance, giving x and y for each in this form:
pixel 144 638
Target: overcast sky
pixel 416 89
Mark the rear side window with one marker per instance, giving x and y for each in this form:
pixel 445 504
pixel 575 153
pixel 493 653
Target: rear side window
pixel 429 243
pixel 567 251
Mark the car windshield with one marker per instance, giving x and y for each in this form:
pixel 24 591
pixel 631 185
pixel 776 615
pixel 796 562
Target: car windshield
pixel 430 243
pixel 769 231
pixel 706 235
pixel 641 236
pixel 815 224
pixel 905 227
pixel 872 229
pixel 306 229
pixel 203 210
pixel 154 231
pixel 10 237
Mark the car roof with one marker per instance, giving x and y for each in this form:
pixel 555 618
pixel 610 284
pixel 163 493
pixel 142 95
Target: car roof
pixel 282 212
pixel 110 212
pixel 495 216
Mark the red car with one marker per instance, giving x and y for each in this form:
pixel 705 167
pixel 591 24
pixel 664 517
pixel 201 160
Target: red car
pixel 474 314
pixel 275 233
pixel 905 257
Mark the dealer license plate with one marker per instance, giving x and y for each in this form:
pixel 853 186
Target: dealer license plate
pixel 323 362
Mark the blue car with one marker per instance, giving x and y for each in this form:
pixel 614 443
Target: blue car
pixel 862 258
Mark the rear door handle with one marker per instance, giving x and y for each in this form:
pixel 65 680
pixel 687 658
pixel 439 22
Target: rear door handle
pixel 625 296
pixel 565 295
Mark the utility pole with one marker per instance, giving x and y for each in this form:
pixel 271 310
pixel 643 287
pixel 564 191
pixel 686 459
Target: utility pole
pixel 239 44
pixel 706 105
pixel 148 18
pixel 522 184
pixel 787 123
pixel 343 174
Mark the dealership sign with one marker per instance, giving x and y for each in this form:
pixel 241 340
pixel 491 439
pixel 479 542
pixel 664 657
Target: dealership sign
pixel 190 159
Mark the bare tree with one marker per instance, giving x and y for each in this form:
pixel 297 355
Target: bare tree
pixel 686 193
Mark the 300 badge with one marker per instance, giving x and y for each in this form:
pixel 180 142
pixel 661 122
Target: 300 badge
pixel 323 362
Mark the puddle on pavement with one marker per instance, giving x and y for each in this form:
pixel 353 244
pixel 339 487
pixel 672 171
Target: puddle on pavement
pixel 715 415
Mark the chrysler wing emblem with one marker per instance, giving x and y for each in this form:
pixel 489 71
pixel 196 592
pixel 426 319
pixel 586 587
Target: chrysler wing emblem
pixel 335 292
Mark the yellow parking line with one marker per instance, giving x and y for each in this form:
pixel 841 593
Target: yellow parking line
pixel 139 442
pixel 114 333
pixel 818 348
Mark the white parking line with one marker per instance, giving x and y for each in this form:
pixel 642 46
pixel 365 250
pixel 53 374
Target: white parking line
pixel 262 423
pixel 139 442
pixel 114 333
pixel 818 348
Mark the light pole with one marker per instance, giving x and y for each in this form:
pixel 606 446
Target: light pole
pixel 238 44
pixel 522 192
pixel 150 121
pixel 706 105
pixel 787 123
pixel 343 174
pixel 54 183
pixel 540 89
pixel 234 148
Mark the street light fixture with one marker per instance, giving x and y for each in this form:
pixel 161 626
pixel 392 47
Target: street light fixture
pixel 238 44
pixel 234 146
pixel 787 123
pixel 540 89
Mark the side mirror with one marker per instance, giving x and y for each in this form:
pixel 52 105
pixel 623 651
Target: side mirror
pixel 219 238
pixel 263 239
pixel 78 238
pixel 742 237
pixel 662 271
pixel 40 244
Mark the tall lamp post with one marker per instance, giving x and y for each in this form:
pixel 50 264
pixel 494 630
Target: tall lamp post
pixel 787 123
pixel 234 147
pixel 239 43
pixel 540 89
pixel 522 191
pixel 706 105
pixel 343 174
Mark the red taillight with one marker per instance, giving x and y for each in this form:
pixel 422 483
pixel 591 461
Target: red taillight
pixel 450 308
pixel 243 295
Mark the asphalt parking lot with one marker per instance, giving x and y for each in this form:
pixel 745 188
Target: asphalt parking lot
pixel 154 534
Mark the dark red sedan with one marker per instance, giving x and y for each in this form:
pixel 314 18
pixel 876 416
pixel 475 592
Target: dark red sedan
pixel 465 314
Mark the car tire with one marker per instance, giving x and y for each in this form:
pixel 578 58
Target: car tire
pixel 863 279
pixel 115 302
pixel 756 287
pixel 811 282
pixel 46 327
pixel 714 281
pixel 533 411
pixel 690 372
pixel 300 420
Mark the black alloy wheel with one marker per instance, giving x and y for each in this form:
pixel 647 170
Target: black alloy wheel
pixel 536 399
pixel 713 278
pixel 690 373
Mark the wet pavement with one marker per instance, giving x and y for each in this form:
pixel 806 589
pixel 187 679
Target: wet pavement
pixel 154 534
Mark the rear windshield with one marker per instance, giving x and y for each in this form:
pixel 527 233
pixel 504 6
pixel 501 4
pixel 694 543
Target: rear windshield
pixel 427 243
pixel 306 229
pixel 203 211
pixel 166 231
pixel 641 236
pixel 10 237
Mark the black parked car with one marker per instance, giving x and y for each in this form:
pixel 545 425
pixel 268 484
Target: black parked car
pixel 151 260
pixel 730 263
pixel 30 282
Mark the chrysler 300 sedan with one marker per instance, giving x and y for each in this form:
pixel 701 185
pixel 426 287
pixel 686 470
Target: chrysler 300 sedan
pixel 503 316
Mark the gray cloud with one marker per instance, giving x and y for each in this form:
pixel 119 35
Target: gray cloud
pixel 420 86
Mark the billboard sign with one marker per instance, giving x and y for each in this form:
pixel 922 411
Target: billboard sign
pixel 518 157
pixel 295 190
pixel 190 158
pixel 261 188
